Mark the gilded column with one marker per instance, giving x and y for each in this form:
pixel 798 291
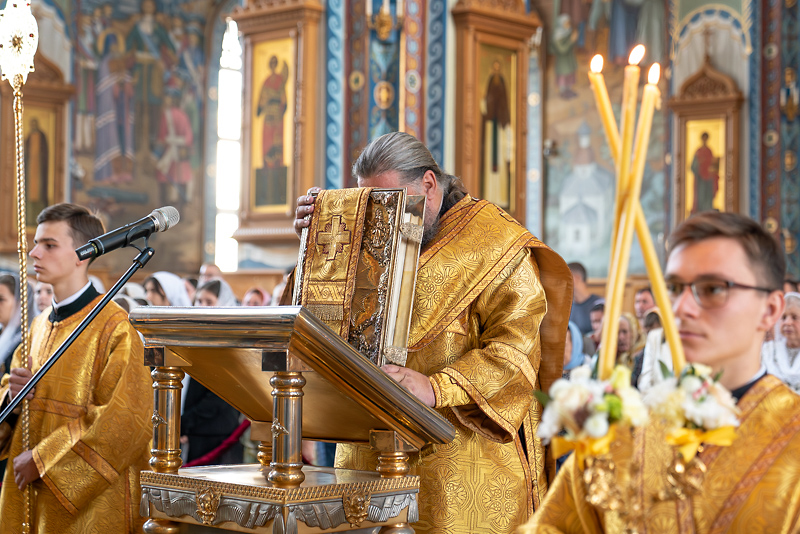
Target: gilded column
pixel 166 451
pixel 287 430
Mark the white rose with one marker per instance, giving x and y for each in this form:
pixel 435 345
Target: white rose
pixel 691 384
pixel 581 374
pixel 559 386
pixel 572 399
pixel 596 425
pixel 659 392
pixel 550 424
pixel 634 411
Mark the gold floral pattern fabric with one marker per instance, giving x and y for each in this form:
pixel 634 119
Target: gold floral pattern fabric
pixel 477 330
pixel 90 427
pixel 751 486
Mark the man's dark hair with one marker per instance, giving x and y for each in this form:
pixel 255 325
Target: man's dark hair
pixel 577 268
pixel 646 289
pixel 791 282
pixel 762 250
pixel 192 281
pixel 600 306
pixel 82 223
pixel 410 158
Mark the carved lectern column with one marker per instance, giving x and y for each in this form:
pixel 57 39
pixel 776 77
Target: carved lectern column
pixel 287 430
pixel 166 451
pixel 392 463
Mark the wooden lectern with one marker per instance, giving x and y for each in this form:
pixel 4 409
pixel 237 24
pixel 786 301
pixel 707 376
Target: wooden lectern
pixel 294 378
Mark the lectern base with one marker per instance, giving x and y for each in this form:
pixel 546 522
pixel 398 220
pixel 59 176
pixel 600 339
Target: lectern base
pixel 238 499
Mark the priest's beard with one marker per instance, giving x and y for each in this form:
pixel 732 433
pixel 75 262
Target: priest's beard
pixel 429 231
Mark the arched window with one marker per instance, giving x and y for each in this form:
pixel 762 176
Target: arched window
pixel 228 168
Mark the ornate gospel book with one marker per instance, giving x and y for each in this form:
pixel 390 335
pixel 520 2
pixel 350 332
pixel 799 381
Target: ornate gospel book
pixel 357 267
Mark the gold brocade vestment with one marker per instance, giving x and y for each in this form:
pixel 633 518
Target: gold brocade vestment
pixel 90 428
pixel 488 327
pixel 751 486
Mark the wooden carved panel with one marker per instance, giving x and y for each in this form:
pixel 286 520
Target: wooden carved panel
pixel 491 101
pixel 706 167
pixel 45 102
pixel 279 123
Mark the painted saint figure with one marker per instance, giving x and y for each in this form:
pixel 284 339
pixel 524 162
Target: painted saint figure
pixel 272 104
pixel 705 167
pixel 114 124
pixel 497 139
pixel 37 162
pixel 152 53
pixel 175 137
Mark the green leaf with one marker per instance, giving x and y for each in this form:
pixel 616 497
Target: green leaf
pixel 718 375
pixel 614 404
pixel 542 397
pixel 665 372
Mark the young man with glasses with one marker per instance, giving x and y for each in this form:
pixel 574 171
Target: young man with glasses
pixel 725 276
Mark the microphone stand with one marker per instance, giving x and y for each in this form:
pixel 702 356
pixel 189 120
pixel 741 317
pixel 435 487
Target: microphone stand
pixel 144 256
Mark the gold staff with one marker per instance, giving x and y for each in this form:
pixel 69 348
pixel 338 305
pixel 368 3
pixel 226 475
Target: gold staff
pixel 19 38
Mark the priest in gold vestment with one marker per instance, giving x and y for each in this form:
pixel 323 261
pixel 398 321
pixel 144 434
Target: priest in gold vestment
pixel 90 415
pixel 725 275
pixel 488 328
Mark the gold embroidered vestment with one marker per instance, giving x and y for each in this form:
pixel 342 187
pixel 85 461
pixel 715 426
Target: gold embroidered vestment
pixel 490 301
pixel 90 428
pixel 751 486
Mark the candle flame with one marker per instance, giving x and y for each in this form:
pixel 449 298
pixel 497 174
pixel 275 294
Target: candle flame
pixel 597 64
pixel 636 55
pixel 654 74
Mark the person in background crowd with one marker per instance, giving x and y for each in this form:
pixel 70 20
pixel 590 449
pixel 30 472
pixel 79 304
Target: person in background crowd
pixel 215 293
pixel 582 300
pixel 10 321
pixel 780 356
pixel 207 421
pixel 642 303
pixel 166 289
pixel 134 290
pixel 652 320
pixel 277 291
pixel 790 286
pixel 630 340
pixel 44 296
pixel 573 350
pixel 256 296
pixel 208 271
pixel 191 287
pixel 591 341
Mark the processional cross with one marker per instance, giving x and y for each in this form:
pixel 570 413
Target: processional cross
pixel 19 38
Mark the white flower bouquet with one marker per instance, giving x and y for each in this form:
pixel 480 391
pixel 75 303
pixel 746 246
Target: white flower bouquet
pixel 696 408
pixel 588 411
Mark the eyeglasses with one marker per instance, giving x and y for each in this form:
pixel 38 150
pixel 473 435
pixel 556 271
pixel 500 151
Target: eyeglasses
pixel 709 293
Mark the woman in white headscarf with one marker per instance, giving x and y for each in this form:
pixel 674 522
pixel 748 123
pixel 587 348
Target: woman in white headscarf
pixel 215 292
pixel 166 289
pixel 780 356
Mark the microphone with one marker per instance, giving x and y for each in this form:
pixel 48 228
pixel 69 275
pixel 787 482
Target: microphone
pixel 159 220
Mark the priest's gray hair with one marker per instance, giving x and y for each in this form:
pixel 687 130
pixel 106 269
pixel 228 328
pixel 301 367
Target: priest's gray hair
pixel 408 156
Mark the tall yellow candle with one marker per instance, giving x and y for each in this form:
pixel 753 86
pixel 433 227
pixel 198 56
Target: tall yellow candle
pixel 622 246
pixel 604 104
pixel 659 287
pixel 630 94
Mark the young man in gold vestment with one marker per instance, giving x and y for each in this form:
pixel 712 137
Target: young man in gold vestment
pixel 488 328
pixel 90 415
pixel 725 277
